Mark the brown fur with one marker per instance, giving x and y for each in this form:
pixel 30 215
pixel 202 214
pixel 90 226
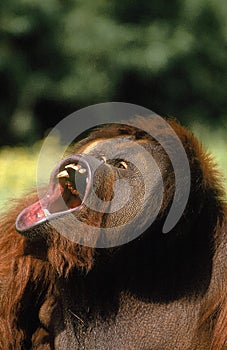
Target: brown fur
pixel 31 272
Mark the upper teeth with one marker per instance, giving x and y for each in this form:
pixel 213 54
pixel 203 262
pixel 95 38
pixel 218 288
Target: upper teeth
pixel 82 171
pixel 73 166
pixel 63 173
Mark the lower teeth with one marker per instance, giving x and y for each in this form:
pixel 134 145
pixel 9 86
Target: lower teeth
pixel 71 188
pixel 46 212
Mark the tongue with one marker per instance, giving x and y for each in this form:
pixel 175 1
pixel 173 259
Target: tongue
pixel 58 199
pixel 39 211
pixel 31 215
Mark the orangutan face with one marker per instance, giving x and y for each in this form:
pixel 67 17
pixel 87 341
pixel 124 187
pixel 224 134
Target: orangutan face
pixel 112 182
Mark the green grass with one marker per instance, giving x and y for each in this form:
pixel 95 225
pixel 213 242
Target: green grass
pixel 18 165
pixel 215 141
pixel 17 171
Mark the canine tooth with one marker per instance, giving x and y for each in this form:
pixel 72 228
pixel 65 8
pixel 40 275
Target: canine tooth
pixel 86 180
pixel 82 171
pixel 70 165
pixel 73 166
pixel 63 173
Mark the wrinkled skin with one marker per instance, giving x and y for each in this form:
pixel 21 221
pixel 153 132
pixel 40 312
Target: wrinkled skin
pixel 156 292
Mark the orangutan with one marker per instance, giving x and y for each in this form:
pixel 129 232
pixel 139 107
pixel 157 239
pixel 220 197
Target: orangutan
pixel 73 275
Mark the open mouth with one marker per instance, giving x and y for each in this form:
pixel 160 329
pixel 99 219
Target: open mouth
pixel 68 188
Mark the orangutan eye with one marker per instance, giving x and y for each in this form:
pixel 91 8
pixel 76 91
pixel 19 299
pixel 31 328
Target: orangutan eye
pixel 121 164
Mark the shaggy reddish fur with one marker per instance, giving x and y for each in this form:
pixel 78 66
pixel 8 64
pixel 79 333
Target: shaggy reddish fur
pixel 29 272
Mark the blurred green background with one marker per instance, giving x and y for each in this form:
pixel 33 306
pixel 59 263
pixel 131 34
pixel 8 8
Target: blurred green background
pixel 58 56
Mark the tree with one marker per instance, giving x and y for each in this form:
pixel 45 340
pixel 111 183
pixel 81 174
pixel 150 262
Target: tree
pixel 57 57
